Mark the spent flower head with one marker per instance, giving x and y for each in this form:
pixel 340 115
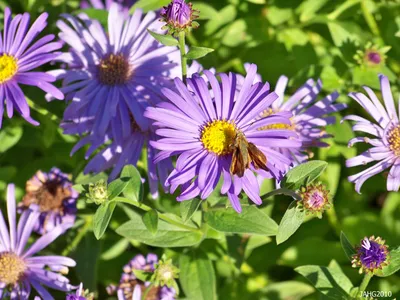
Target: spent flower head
pixel 97 192
pixel 372 55
pixel 372 255
pixel 179 16
pixel 314 199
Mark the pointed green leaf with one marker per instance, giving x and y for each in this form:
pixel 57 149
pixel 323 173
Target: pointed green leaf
pixel 328 280
pixel 198 52
pixel 102 218
pixel 251 220
pixel 9 136
pixel 291 221
pixel 134 189
pixel 116 187
pixel 304 174
pixel 394 264
pixel 188 208
pixel 150 220
pixel 197 276
pixel 166 40
pixel 347 246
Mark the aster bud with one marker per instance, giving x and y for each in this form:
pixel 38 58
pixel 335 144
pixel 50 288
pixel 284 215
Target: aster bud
pixel 179 16
pixel 98 192
pixel 372 255
pixel 372 55
pixel 314 199
pixel 165 274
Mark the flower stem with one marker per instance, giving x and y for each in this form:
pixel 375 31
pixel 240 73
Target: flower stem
pixel 144 297
pixel 369 18
pixel 182 35
pixel 82 232
pixel 364 283
pixel 342 8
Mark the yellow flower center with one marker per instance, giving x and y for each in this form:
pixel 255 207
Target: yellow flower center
pixel 269 112
pixel 114 69
pixel 217 136
pixel 8 67
pixel 12 267
pixel 394 140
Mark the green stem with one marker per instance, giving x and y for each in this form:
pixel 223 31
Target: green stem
pixel 369 18
pixel 182 35
pixel 342 8
pixel 333 219
pixel 148 208
pixel 144 297
pixel 364 283
pixel 82 232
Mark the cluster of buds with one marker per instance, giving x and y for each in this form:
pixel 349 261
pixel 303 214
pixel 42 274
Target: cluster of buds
pixel 372 255
pixel 314 199
pixel 97 192
pixel 179 16
pixel 372 55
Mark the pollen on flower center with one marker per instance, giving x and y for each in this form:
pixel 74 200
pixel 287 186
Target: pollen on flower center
pixel 393 138
pixel 269 112
pixel 8 67
pixel 114 69
pixel 12 267
pixel 218 135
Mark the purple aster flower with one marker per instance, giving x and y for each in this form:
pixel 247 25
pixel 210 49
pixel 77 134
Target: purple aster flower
pixel 106 4
pixel 372 255
pixel 56 199
pixel 19 269
pixel 384 140
pixel 19 55
pixel 179 15
pixel 131 287
pixel 202 126
pixel 80 294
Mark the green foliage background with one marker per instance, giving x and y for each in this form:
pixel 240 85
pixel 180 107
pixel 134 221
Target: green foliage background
pixel 300 39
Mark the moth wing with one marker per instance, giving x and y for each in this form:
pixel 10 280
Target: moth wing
pixel 257 157
pixel 237 165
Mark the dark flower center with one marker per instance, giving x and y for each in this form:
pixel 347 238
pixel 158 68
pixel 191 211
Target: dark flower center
pixel 12 267
pixel 374 57
pixel 393 138
pixel 50 196
pixel 372 254
pixel 114 69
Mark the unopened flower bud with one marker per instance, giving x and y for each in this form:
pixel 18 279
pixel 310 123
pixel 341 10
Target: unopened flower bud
pixel 315 198
pixel 179 16
pixel 98 192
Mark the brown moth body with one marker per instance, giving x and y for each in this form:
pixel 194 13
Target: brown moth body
pixel 245 153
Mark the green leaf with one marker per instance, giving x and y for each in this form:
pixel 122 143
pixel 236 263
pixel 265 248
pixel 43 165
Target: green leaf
pixel 342 32
pixel 304 174
pixel 167 235
pixel 347 246
pixel 150 220
pixel 116 250
pixel 9 136
pixel 308 8
pixel 142 275
pixel 98 14
pixel 188 208
pixel 292 290
pixel 166 40
pixel 198 52
pixel 394 264
pixel 282 191
pixel 251 220
pixel 291 221
pixel 116 187
pixel 197 276
pixel 207 12
pixel 329 281
pixel 102 217
pixel 147 5
pixel 134 189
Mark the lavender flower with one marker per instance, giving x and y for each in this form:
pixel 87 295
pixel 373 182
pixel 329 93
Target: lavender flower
pixel 179 15
pixel 53 193
pixel 385 140
pixel 17 60
pixel 372 255
pixel 106 4
pixel 201 127
pixel 80 294
pixel 131 287
pixel 19 269
pixel 315 199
